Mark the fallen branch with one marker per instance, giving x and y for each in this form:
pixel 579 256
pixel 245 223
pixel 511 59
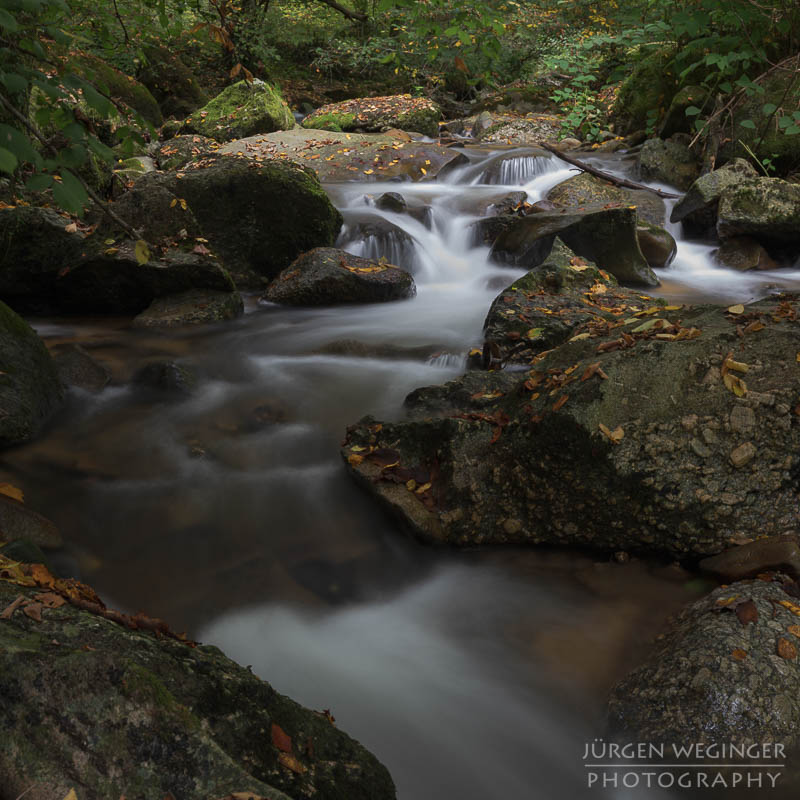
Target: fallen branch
pixel 606 176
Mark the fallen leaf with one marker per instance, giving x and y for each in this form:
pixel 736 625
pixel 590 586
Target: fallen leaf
pixel 71 795
pixel 747 612
pixel 280 738
pixel 201 250
pixel 593 369
pixel 737 366
pixel 33 610
pixel 50 599
pixel 141 251
pixel 290 762
pixel 794 630
pixel 560 402
pixel 11 491
pixel 754 326
pixel 739 654
pixel 736 385
pixel 614 436
pixel 724 602
pixel 71 228
pixel 786 649
pixel 737 309
pixel 174 202
pixel 9 610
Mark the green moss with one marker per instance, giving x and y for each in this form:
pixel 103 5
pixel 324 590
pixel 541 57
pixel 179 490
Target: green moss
pixel 333 121
pixel 241 110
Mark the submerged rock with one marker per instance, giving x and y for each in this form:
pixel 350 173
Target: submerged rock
pixel 630 435
pixel 166 378
pixel 77 368
pixel 243 109
pixel 30 389
pixel 726 672
pixel 326 276
pixel 94 707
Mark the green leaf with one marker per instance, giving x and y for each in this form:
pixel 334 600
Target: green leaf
pixel 20 145
pixel 8 21
pixel 692 111
pixel 38 183
pixel 8 161
pixel 16 84
pixel 769 108
pixel 792 131
pixel 70 194
pixel 748 123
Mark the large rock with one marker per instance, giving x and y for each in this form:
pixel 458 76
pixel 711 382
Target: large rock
pixel 604 235
pixel 171 82
pixel 669 161
pixel 180 150
pixel 658 246
pixel 18 523
pixel 94 707
pixel 697 209
pixel 30 390
pixel 725 673
pixel 193 307
pixel 242 109
pixel 258 216
pixel 743 253
pixel 586 189
pixel 326 276
pixel 625 437
pixel 767 209
pixel 377 114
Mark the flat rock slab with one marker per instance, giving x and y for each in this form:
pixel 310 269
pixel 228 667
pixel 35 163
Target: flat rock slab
pixel 339 157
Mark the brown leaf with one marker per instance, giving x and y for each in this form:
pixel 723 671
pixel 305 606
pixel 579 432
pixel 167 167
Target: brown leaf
pixel 10 609
pixel 50 599
pixel 280 738
pixel 384 457
pixel 42 576
pixel 560 402
pixel 593 369
pixel 201 250
pixel 292 763
pixel 794 630
pixel 747 612
pixel 615 436
pixel 786 649
pixel 11 491
pixel 739 654
pixel 33 610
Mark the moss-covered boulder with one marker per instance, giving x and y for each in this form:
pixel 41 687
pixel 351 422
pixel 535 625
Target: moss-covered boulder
pixel 726 672
pixel 258 216
pixel 606 236
pixel 650 86
pixel 194 307
pixel 30 390
pixel 171 82
pixel 767 209
pixel 669 161
pixel 367 114
pixel 676 119
pixel 585 189
pixel 242 109
pixel 94 707
pixel 697 209
pixel 327 276
pixel 180 150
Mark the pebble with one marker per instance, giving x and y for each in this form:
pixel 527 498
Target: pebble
pixel 742 454
pixel 699 448
pixel 742 419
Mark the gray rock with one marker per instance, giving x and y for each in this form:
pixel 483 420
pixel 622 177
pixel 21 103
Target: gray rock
pixel 180 150
pixel 765 208
pixel 77 368
pixel 20 523
pixel 712 679
pixel 167 379
pixel 194 307
pixel 30 390
pixel 327 276
pixel 743 253
pixel 94 707
pixel 668 162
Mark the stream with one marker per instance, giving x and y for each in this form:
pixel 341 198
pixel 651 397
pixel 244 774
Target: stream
pixel 475 675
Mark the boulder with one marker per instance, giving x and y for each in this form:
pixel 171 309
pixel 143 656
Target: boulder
pixel 258 216
pixel 376 114
pixel 657 245
pixel 243 109
pixel 77 368
pixel 697 209
pixel 726 672
pixel 193 307
pixel 18 523
pixel 606 236
pixel 526 132
pixel 767 209
pixel 166 379
pixel 743 253
pixel 326 276
pixel 661 431
pixel 171 82
pixel 94 707
pixel 518 167
pixel 585 189
pixel 669 161
pixel 180 150
pixel 30 390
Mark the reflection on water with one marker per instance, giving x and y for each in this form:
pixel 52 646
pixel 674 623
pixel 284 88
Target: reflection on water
pixel 472 675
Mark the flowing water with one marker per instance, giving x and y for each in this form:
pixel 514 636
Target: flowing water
pixel 473 675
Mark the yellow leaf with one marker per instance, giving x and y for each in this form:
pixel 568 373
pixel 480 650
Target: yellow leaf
pixel 646 326
pixel 357 448
pixel 734 384
pixel 183 204
pixel 71 795
pixel 738 366
pixel 423 488
pixel 672 308
pixel 580 337
pixel 108 241
pixel 723 602
pixel 614 436
pixel 174 202
pixel 368 171
pixel 411 484
pixel 354 459
pixel 142 252
pixel 12 491
pixel 423 170
pixel 111 251
pixel 737 309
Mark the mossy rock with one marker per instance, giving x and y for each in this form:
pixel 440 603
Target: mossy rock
pixel 172 83
pixel 258 216
pixel 180 150
pixel 650 86
pixel 242 109
pixel 676 120
pixel 91 706
pixel 375 114
pixel 118 86
pixel 670 162
pixel 768 209
pixel 30 390
pixel 194 307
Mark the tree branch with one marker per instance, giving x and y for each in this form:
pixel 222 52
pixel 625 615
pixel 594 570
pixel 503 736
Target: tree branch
pixel 606 176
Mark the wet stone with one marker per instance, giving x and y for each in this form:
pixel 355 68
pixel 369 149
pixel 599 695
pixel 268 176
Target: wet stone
pixel 743 454
pixel 742 419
